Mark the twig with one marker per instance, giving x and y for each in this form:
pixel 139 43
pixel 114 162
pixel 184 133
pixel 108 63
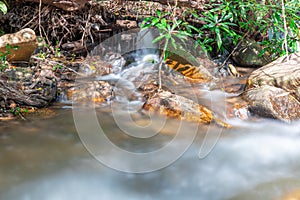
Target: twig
pixel 86 24
pixel 52 62
pixel 285 30
pixel 40 10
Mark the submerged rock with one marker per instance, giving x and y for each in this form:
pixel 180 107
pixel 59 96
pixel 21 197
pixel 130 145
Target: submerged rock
pixel 273 90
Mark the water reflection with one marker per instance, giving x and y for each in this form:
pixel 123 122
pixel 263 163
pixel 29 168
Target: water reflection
pixel 44 159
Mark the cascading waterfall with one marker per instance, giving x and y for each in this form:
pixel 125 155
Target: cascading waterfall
pixel 144 62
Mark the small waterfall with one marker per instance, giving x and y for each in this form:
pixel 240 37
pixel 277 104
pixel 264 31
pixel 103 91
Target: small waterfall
pixel 145 41
pixel 143 56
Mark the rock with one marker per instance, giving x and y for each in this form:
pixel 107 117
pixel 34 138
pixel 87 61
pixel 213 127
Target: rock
pixel 26 42
pixel 88 92
pixel 178 107
pixel 273 90
pixel 273 102
pixel 236 107
pixel 126 24
pixel 37 90
pixel 247 54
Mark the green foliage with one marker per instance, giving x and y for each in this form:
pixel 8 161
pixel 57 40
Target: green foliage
pixel 170 30
pixel 172 33
pixel 272 27
pixel 3 56
pixel 225 23
pixel 56 51
pixel 3 7
pixel 57 67
pixel 220 31
pixel 3 61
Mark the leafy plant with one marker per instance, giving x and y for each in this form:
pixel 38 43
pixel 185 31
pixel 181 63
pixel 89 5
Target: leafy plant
pixel 3 6
pixel 56 51
pixel 57 67
pixel 278 35
pixel 3 57
pixel 219 29
pixel 226 22
pixel 171 30
pixel 3 61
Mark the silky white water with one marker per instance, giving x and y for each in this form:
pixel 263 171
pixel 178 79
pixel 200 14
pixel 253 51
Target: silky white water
pixel 46 160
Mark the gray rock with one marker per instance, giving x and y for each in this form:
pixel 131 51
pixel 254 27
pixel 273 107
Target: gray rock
pixel 247 55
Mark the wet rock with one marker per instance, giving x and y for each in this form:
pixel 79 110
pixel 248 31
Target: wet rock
pixel 273 90
pixel 236 107
pixel 20 45
pixel 272 102
pixel 247 54
pixel 95 66
pixel 88 92
pixel 178 107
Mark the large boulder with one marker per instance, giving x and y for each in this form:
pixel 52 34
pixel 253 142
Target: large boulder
pixel 19 46
pixel 274 90
pixel 247 54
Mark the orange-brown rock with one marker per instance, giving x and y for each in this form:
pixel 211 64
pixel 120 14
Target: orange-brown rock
pixel 193 74
pixel 20 45
pixel 178 107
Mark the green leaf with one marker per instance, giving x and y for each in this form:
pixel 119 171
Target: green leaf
pixel 158 38
pixel 229 23
pixel 216 18
pixel 148 19
pixel 173 43
pixel 195 15
pixel 161 27
pixel 158 12
pixel 293 26
pixel 169 28
pixel 145 26
pixel 219 39
pixel 154 21
pixel 227 17
pixel 192 28
pixel 164 22
pixel 3 7
pixel 176 24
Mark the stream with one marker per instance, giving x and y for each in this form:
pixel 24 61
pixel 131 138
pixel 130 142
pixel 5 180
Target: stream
pixel 45 159
pixel 48 159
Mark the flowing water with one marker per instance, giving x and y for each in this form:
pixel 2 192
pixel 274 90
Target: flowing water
pixel 46 159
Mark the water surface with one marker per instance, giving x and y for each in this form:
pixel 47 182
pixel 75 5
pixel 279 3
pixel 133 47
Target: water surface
pixel 45 159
